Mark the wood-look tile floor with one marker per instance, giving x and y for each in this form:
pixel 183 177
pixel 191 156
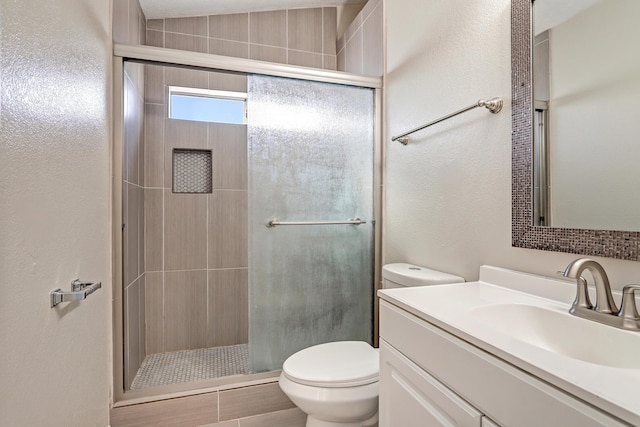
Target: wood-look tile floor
pixel 192 365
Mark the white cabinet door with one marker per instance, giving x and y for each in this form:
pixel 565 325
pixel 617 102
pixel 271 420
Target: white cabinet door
pixel 410 397
pixel 509 395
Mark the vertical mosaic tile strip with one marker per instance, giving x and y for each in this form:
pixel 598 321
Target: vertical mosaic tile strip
pixel 192 171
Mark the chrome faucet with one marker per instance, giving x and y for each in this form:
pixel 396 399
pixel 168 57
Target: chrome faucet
pixel 605 311
pixel 604 300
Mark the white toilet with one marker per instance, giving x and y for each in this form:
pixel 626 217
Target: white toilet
pixel 336 384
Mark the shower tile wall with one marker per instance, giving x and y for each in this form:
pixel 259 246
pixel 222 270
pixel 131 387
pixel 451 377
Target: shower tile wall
pixel 133 218
pixel 185 269
pixel 305 37
pixel 129 22
pixel 129 27
pixel 360 49
pixel 196 244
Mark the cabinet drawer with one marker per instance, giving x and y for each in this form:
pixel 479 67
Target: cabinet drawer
pixel 503 392
pixel 410 397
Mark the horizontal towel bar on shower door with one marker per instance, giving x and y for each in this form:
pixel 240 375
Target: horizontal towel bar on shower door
pixel 274 222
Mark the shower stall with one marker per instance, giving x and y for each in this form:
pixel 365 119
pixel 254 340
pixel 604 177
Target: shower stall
pixel 243 240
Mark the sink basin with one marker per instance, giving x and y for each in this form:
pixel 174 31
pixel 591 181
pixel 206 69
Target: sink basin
pixel 523 319
pixel 560 332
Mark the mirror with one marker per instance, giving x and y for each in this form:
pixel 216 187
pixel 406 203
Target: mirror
pixel 586 79
pixel 605 239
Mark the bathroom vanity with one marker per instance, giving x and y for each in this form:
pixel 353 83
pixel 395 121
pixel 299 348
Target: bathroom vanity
pixel 503 351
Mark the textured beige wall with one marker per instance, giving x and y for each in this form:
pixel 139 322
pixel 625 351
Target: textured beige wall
pixel 448 193
pixel 55 70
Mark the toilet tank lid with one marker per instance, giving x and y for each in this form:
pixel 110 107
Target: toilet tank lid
pixel 334 364
pixel 414 275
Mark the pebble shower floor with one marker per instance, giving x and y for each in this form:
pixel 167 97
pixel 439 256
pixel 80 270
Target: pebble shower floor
pixel 192 365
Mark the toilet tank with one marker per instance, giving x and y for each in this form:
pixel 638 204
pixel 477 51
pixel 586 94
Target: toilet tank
pixel 401 274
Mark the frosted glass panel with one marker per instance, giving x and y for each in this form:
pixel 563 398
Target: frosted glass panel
pixel 310 159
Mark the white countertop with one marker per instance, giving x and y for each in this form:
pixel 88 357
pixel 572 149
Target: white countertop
pixel 457 309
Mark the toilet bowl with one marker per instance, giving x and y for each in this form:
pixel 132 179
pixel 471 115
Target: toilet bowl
pixel 336 383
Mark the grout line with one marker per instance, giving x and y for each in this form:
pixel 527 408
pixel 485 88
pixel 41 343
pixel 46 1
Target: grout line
pixel 352 35
pixel 128 20
pixel 192 270
pixel 186 34
pixel 164 242
pixel 322 32
pixel 163 44
pixel 218 399
pixel 369 15
pixel 308 51
pixel 227 40
pixel 361 29
pixel 249 34
pixel 248 26
pixel 207 237
pixel 197 270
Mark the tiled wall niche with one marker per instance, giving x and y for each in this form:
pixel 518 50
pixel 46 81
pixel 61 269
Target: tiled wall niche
pixel 304 37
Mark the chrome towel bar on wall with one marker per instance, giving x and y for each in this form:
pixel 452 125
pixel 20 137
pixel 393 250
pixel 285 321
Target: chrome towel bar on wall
pixel 494 105
pixel 79 291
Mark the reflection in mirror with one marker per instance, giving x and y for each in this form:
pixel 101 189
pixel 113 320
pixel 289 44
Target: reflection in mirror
pixel 586 86
pixel 604 242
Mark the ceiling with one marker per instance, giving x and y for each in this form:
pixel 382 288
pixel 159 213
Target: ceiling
pixel 154 9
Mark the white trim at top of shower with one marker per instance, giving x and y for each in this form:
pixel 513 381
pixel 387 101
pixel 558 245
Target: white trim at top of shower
pixel 242 65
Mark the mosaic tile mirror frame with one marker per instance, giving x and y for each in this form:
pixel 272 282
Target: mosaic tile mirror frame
pixel 605 243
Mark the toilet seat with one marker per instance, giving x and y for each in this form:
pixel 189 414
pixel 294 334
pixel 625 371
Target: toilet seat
pixel 334 364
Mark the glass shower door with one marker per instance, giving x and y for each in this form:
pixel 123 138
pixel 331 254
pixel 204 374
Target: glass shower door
pixel 311 159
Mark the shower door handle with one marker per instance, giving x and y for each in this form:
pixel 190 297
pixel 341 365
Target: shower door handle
pixel 79 291
pixel 275 222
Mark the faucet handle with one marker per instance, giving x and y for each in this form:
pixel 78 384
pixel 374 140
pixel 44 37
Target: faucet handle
pixel 582 296
pixel 629 311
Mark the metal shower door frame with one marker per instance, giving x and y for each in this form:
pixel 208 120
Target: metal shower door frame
pixel 207 62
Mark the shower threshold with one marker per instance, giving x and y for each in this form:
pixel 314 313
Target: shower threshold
pixel 192 365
